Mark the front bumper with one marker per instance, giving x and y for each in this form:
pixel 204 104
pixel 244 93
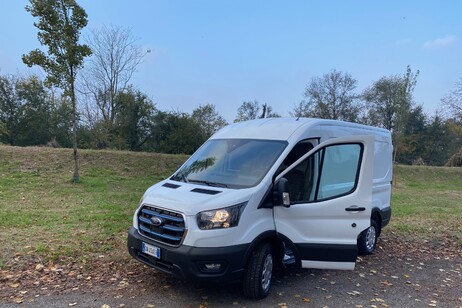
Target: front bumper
pixel 188 263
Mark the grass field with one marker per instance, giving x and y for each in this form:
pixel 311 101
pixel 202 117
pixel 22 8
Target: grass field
pixel 44 215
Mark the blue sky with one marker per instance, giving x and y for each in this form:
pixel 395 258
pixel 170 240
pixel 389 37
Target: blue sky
pixel 230 51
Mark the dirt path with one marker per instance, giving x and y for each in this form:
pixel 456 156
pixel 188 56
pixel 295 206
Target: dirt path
pixel 402 273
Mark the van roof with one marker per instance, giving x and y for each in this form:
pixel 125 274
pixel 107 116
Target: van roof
pixel 281 128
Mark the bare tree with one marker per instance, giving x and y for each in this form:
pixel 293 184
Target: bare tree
pixel 331 96
pixel 251 110
pixel 452 103
pixel 115 59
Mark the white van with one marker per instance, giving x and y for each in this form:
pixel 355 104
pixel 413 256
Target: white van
pixel 281 191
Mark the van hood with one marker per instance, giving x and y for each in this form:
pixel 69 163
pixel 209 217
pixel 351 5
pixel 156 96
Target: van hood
pixel 191 198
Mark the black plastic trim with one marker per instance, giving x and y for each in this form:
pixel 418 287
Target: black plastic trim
pixel 170 185
pixel 386 216
pixel 328 252
pixel 184 262
pixel 205 191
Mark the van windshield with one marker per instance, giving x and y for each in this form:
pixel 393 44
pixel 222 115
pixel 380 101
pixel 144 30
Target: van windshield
pixel 232 163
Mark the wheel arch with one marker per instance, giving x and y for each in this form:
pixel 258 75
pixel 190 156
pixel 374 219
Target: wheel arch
pixel 265 237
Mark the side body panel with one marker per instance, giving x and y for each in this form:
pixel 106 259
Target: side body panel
pixel 325 232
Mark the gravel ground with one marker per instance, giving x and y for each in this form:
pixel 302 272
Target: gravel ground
pixel 401 273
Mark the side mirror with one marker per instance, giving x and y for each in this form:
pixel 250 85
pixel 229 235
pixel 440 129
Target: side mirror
pixel 281 192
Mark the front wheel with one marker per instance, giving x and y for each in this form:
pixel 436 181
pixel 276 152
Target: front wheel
pixel 368 239
pixel 257 276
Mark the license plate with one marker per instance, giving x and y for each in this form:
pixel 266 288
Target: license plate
pixel 150 250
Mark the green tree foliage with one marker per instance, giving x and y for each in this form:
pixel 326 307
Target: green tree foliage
pixel 36 111
pixel 208 119
pixel 31 115
pixel 176 133
pixel 59 24
pixel 253 110
pixel 133 123
pixel 25 110
pixel 383 99
pixel 331 96
pixel 438 142
pixel 390 103
pixel 428 141
pixel 61 121
pixel 10 110
pixel 390 100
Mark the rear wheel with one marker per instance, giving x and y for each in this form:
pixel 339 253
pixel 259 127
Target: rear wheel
pixel 257 276
pixel 368 239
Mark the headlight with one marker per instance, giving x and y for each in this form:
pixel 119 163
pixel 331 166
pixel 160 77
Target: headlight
pixel 222 218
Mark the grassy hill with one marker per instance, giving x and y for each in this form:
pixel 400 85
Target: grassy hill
pixel 44 215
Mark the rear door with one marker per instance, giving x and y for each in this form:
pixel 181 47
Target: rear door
pixel 331 196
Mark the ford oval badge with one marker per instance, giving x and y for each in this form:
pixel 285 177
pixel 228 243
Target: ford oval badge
pixel 157 221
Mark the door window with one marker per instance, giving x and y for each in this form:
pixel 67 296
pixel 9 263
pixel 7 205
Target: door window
pixel 329 173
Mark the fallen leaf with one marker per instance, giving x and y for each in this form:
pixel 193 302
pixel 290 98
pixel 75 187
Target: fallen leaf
pixel 307 300
pixel 379 300
pixel 15 285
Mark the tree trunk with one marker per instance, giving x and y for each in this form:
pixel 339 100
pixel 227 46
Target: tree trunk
pixel 76 177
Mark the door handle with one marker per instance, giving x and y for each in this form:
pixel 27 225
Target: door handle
pixel 355 209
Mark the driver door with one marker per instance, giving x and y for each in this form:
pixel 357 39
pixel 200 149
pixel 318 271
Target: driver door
pixel 331 199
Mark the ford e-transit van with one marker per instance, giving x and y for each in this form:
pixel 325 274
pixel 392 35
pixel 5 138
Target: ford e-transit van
pixel 281 191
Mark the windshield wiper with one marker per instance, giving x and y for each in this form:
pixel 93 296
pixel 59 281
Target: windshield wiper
pixel 209 183
pixel 180 176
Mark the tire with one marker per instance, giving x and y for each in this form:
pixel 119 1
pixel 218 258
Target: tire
pixel 258 273
pixel 368 239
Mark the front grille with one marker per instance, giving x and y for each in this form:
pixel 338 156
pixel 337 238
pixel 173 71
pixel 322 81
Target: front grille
pixel 171 229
